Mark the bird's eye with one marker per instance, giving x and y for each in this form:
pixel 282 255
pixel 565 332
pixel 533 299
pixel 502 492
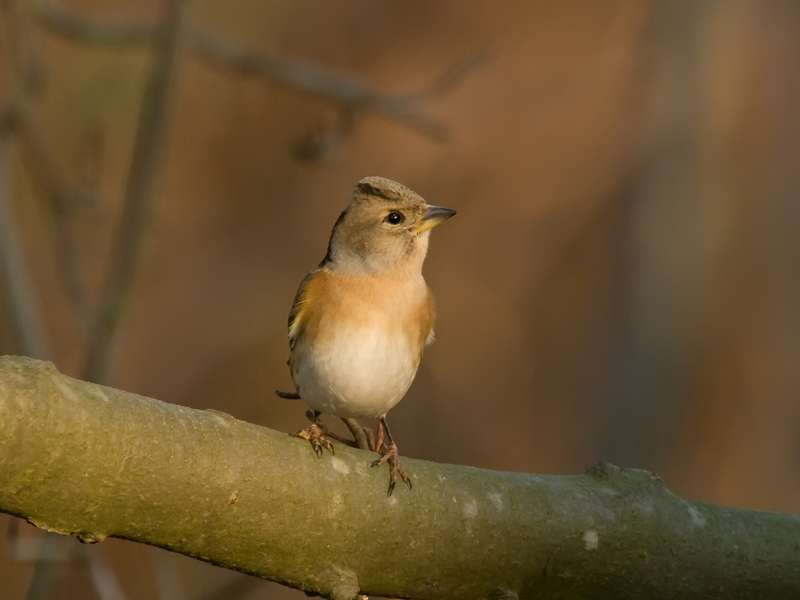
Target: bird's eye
pixel 394 218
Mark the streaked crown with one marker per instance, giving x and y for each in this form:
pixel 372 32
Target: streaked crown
pixel 384 228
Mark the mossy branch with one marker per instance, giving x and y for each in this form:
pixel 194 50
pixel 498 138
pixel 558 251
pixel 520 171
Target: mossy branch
pixel 92 462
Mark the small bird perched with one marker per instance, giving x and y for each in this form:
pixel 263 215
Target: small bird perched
pixel 360 321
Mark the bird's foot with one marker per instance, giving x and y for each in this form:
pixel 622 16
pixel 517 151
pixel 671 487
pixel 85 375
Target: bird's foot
pixel 389 454
pixel 316 435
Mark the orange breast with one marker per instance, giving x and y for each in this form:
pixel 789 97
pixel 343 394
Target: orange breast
pixel 396 303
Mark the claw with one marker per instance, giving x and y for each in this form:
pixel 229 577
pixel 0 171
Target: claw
pixel 391 456
pixel 314 434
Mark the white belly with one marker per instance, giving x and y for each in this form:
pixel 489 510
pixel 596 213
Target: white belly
pixel 364 373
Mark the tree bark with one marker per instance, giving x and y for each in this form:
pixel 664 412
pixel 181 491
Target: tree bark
pixel 90 461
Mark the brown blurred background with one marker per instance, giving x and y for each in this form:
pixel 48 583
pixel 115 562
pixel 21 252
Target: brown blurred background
pixel 622 281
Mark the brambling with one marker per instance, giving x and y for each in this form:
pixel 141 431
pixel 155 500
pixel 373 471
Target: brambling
pixel 361 319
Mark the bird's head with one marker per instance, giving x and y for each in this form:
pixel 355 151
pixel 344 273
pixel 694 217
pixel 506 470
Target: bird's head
pixel 384 228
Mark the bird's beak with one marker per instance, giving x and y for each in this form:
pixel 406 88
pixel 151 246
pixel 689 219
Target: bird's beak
pixel 433 216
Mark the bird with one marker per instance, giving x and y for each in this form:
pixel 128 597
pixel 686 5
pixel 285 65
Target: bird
pixel 361 320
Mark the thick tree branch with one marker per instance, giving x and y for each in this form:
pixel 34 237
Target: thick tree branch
pixel 90 461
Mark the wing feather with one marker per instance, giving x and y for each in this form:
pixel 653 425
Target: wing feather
pixel 296 320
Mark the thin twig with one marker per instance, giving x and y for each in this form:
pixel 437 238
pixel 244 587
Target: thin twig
pixel 453 77
pixel 26 319
pixel 304 76
pixel 51 564
pixel 165 568
pixel 314 79
pixel 35 155
pixel 324 144
pixel 63 198
pixel 29 72
pixel 237 587
pixel 119 34
pixel 31 548
pixel 147 158
pixel 104 577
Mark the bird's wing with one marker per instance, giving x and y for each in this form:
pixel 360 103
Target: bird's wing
pixel 296 320
pixel 426 323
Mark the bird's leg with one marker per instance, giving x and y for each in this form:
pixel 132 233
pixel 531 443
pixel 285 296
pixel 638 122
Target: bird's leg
pixel 371 441
pixel 287 395
pixel 378 443
pixel 389 454
pixel 335 436
pixel 359 433
pixel 315 433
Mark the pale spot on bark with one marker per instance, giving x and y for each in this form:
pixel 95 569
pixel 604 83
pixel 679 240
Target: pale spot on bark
pixel 591 539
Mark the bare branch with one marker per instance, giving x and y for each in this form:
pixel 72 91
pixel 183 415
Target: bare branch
pixel 119 34
pixel 304 76
pixel 92 462
pixel 311 78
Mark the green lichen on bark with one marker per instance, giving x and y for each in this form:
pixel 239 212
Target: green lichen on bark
pixel 92 462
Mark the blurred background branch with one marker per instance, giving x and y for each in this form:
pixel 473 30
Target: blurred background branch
pixel 146 164
pixel 17 282
pixel 298 75
pixel 64 202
